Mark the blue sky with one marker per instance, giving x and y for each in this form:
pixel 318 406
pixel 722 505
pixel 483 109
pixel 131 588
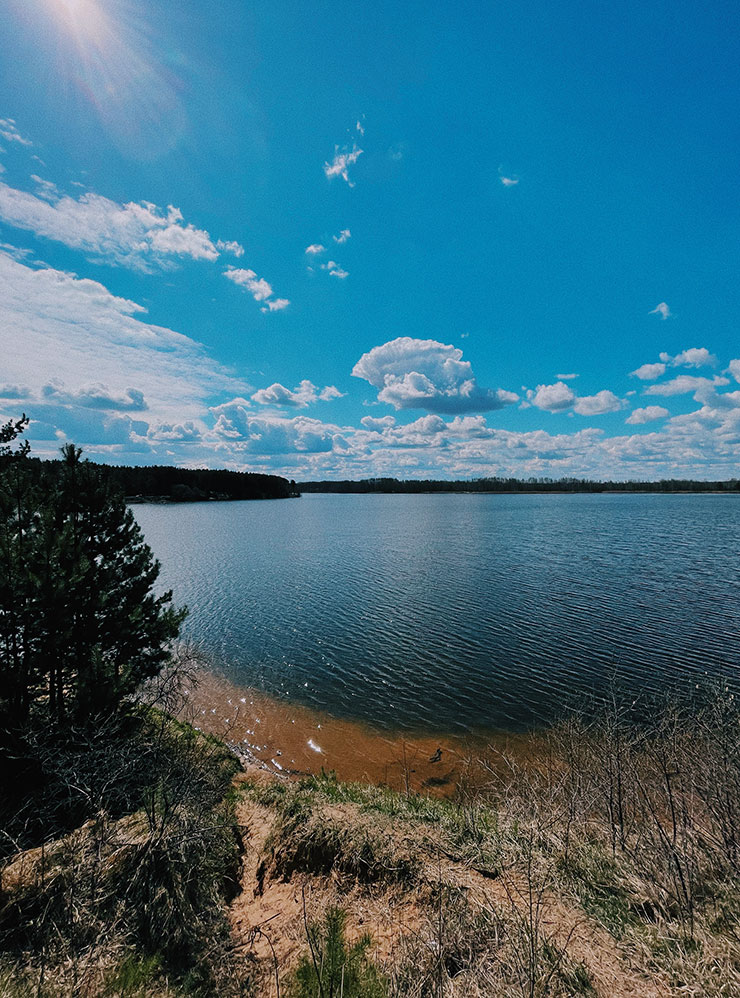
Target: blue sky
pixel 337 240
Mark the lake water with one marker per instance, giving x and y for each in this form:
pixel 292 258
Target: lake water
pixel 457 612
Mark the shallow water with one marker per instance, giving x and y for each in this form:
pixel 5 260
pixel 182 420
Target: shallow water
pixel 457 612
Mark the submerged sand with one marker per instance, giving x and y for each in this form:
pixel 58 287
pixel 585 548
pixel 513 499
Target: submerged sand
pixel 287 738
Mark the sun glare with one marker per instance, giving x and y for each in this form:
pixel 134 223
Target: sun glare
pixel 73 8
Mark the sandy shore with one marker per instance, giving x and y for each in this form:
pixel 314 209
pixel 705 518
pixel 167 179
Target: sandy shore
pixel 287 738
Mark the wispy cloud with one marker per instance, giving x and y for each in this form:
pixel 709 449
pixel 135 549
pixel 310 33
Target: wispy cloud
pixel 339 166
pixel 137 235
pixel 92 368
pixel 336 271
pixel 566 377
pixel 343 236
pixel 229 246
pixel 9 131
pixel 506 178
pixel 258 287
pixel 314 249
pixel 359 128
pixel 662 310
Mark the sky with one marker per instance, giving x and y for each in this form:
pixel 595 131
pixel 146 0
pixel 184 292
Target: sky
pixel 332 240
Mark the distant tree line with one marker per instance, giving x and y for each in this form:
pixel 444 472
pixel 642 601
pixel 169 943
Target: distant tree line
pixel 497 484
pixel 173 484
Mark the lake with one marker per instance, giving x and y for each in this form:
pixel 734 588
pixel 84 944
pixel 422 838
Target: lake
pixel 457 612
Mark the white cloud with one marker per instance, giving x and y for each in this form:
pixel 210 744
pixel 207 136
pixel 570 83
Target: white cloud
pixel 734 369
pixel 426 374
pixel 647 415
pixel 378 423
pixel 598 404
pixel 553 398
pixel 10 133
pixel 266 435
pixel 566 377
pixel 229 246
pixel 509 181
pixel 305 394
pixel 95 396
pixel 339 166
pixel 90 362
pixel 258 287
pixel 46 189
pixel 662 310
pixel 649 372
pixel 315 248
pixel 343 236
pixel 139 236
pixel 275 305
pixel 336 271
pixel 359 128
pixel 186 432
pixel 694 357
pixel 684 383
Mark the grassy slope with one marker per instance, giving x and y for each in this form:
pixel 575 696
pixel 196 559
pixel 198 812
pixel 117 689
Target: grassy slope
pixel 609 867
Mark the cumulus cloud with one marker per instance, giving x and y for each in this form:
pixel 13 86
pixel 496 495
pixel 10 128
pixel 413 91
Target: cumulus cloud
pixel 186 432
pixel 662 310
pixel 598 404
pixel 426 374
pixel 262 434
pixel 339 166
pixel 378 423
pixel 682 384
pixel 552 398
pixel 343 236
pixel 139 236
pixel 258 287
pixel 305 394
pixel 694 357
pixel 647 415
pixel 95 396
pixel 734 369
pixel 9 131
pixel 336 271
pixel 649 372
pixel 314 249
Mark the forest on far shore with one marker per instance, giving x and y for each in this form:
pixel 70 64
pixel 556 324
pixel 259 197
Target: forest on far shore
pixel 394 485
pixel 170 484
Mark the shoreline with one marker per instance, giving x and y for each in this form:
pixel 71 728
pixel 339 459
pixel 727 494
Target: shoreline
pixel 290 740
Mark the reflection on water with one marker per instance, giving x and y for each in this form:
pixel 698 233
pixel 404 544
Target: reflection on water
pixel 457 612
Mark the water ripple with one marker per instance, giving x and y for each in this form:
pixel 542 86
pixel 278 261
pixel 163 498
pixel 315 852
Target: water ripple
pixel 457 611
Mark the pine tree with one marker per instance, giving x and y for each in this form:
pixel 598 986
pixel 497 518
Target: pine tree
pixel 80 624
